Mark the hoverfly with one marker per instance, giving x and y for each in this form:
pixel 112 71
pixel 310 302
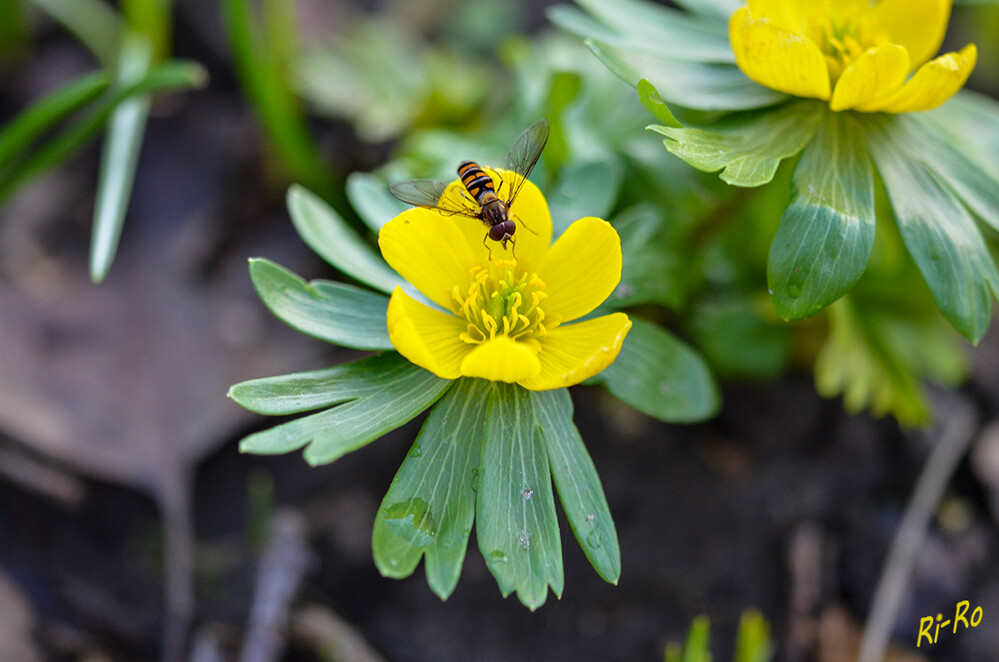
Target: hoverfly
pixel 480 199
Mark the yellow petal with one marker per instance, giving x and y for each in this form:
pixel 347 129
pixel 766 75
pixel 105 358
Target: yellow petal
pixel 427 337
pixel 790 15
pixel 875 74
pixel 918 25
pixel 529 212
pixel 573 353
pixel 501 360
pixel 581 269
pixel 426 248
pixel 778 58
pixel 935 82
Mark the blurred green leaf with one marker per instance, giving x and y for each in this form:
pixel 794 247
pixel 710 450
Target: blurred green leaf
pixel 336 242
pixel 660 376
pixel 940 234
pixel 370 198
pixel 587 188
pixel 122 144
pixel 696 648
pixel 429 509
pixel 577 483
pixel 381 77
pixel 752 642
pixel 748 148
pixel 647 28
pixel 738 337
pixel 516 525
pixel 826 234
pixel 47 112
pixel 378 394
pixel 877 352
pixel 720 10
pixel 13 30
pixel 654 270
pixel 260 55
pixel 93 22
pixel 153 19
pixel 695 85
pixel 327 310
pixel 171 76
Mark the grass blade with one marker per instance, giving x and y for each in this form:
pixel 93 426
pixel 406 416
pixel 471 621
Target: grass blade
pixel 122 145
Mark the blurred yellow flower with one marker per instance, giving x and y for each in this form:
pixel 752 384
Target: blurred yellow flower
pixel 854 53
pixel 504 315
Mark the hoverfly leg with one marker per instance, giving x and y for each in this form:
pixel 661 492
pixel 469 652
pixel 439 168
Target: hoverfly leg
pixel 484 238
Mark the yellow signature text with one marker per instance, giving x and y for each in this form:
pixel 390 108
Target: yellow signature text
pixel 929 626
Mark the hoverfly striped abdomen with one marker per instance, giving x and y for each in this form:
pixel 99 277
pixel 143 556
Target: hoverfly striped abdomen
pixel 478 183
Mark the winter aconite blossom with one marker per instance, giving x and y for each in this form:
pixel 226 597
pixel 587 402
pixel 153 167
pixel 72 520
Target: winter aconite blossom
pixel 854 53
pixel 504 313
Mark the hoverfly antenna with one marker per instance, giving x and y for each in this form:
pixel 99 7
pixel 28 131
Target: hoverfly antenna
pixel 520 222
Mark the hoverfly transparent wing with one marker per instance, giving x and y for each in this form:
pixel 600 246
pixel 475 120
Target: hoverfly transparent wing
pixel 525 152
pixel 429 193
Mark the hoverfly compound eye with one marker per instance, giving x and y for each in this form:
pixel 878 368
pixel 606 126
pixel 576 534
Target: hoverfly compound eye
pixel 502 231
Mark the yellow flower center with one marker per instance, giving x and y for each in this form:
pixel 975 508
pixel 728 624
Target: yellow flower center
pixel 844 38
pixel 500 303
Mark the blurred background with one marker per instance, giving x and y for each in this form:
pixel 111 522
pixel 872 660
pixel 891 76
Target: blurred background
pixel 132 529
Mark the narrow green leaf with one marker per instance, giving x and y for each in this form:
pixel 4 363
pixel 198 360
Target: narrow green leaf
pixel 748 148
pixel 371 199
pixel 659 375
pixel 154 20
pixel 697 647
pixel 336 242
pixel 827 232
pixel 327 310
pixel 122 144
pixel 696 85
pixel 93 22
pixel 430 505
pixel 577 483
pixel 653 102
pixel 586 188
pixel 48 111
pixel 171 76
pixel 939 232
pixel 516 524
pixel 378 397
pixel 752 642
pixel 306 391
pixel 265 79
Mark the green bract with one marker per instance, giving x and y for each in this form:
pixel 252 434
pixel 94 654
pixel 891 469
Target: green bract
pixel 827 230
pixel 490 453
pixel 936 173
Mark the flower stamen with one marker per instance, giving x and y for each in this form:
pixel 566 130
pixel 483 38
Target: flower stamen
pixel 499 302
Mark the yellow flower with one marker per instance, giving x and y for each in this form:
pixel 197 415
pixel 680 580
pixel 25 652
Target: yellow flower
pixel 854 53
pixel 504 317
